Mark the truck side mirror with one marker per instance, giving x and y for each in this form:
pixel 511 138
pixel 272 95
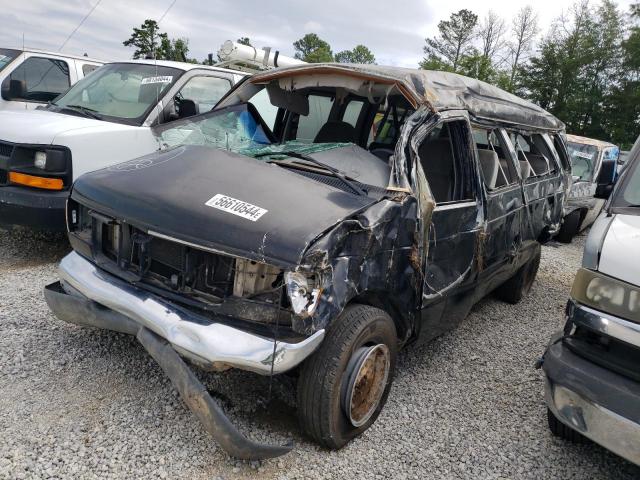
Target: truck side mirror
pixel 606 179
pixel 14 89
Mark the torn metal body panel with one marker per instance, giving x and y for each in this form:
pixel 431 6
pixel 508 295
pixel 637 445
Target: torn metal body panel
pixel 309 196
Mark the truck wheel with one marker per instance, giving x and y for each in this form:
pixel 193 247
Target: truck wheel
pixel 569 227
pixel 345 383
pixel 514 289
pixel 560 430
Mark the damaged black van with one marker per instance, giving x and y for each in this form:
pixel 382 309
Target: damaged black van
pixel 318 220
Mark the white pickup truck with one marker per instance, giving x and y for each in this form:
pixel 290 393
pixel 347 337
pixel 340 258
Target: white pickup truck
pixel 29 78
pixel 104 119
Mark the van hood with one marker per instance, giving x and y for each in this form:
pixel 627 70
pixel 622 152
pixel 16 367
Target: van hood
pixel 40 126
pixel 220 200
pixel 620 255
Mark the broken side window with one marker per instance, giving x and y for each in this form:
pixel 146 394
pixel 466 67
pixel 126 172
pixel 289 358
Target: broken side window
pixel 496 165
pixel 534 156
pixel 447 162
pixel 387 124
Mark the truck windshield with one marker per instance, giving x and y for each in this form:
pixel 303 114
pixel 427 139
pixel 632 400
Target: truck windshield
pixel 7 56
pixel 583 160
pixel 119 92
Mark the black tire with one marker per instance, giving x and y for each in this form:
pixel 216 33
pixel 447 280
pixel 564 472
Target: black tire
pixel 323 376
pixel 517 287
pixel 569 228
pixel 560 430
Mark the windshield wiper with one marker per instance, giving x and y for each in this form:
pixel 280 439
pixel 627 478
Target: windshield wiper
pixel 86 111
pixel 336 173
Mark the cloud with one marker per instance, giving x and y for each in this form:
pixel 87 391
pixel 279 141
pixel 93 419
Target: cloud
pixel 394 31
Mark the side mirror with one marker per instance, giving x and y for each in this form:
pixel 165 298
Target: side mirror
pixel 606 179
pixel 14 89
pixel 187 108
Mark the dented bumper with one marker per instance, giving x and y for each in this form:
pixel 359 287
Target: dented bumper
pixel 208 343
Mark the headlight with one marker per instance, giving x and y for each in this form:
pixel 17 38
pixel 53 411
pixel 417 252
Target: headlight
pixel 40 160
pixel 607 294
pixel 46 167
pixel 304 292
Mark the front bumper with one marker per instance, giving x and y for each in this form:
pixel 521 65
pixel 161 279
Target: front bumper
pixel 211 344
pixel 600 404
pixel 33 208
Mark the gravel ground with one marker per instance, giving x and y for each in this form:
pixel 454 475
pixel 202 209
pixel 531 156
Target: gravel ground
pixel 90 404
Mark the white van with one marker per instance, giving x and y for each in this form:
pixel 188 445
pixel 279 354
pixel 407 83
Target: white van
pixel 29 78
pixel 591 366
pixel 104 119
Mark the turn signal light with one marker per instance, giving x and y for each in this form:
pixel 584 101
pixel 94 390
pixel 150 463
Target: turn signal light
pixel 36 182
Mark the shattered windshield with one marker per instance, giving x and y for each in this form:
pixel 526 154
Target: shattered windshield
pixel 583 160
pixel 239 129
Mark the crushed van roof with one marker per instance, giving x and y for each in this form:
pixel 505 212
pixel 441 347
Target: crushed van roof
pixel 589 141
pixel 438 91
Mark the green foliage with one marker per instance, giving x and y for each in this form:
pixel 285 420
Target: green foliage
pixel 145 39
pixel 359 54
pixel 454 40
pixel 577 73
pixel 312 49
pixel 150 42
pixel 244 41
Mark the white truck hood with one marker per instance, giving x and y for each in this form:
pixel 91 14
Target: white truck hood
pixel 620 255
pixel 42 126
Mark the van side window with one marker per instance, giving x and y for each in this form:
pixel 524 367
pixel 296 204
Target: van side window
pixel 205 91
pixel 534 156
pixel 558 144
pixel 265 108
pixel 43 78
pixel 88 68
pixel 352 112
pixel 446 159
pixel 493 155
pixel 309 126
pixel 387 124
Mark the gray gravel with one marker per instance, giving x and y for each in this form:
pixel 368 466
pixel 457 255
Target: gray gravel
pixel 90 404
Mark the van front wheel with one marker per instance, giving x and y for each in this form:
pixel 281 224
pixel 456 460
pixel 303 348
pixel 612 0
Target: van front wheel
pixel 345 383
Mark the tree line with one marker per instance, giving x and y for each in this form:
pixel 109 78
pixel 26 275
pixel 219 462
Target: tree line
pixel 584 69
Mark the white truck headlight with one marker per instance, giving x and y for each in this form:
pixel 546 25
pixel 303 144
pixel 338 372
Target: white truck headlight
pixel 304 292
pixel 40 160
pixel 607 294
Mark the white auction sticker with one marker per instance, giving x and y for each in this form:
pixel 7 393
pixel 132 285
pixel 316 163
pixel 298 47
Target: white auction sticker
pixel 165 79
pixel 236 207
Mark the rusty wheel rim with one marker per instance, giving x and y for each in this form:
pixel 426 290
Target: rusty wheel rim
pixel 367 382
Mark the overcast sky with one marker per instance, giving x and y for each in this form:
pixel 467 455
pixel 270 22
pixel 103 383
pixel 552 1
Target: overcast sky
pixel 394 30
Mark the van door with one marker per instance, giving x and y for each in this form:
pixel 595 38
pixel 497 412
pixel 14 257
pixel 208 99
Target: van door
pixel 203 88
pixel 503 205
pixel 35 81
pixel 543 184
pixel 447 160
